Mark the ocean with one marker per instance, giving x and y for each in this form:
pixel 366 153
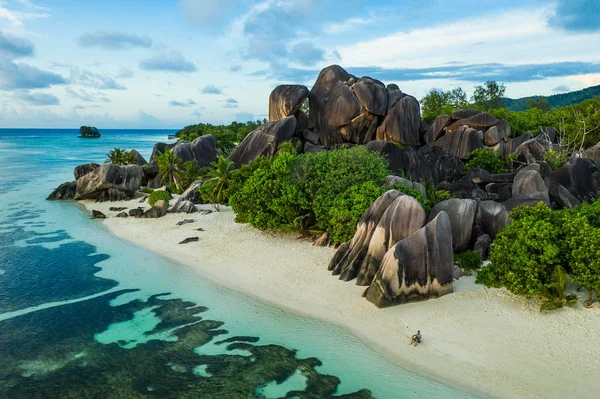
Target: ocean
pixel 84 314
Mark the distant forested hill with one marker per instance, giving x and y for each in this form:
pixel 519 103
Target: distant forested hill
pixel 556 100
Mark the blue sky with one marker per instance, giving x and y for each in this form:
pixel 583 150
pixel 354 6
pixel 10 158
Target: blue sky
pixel 156 64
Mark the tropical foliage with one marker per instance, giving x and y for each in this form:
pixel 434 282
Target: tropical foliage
pixel 227 136
pixel 487 159
pixel 170 167
pixel 158 195
pixel 526 254
pixel 119 156
pixel 468 260
pixel 217 183
pixel 309 190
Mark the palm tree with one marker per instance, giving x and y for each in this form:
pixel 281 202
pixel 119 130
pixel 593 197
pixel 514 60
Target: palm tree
pixel 117 156
pixel 170 167
pixel 220 175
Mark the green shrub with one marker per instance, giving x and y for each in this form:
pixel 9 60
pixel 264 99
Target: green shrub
pixel 270 198
pixel 293 189
pixel 487 159
pixel 416 194
pixel 468 260
pixel 584 246
pixel 147 190
pixel 348 207
pixel 555 159
pixel 158 195
pixel 525 252
pixel 325 175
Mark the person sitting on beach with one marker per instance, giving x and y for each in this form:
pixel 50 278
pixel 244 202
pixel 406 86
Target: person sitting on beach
pixel 416 339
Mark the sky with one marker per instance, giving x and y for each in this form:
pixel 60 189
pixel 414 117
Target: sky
pixel 168 64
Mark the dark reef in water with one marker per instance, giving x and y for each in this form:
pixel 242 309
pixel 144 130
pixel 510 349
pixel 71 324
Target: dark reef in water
pixel 53 354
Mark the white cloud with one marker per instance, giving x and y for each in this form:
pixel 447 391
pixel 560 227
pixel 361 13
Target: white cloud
pixel 514 37
pixel 347 25
pixel 27 11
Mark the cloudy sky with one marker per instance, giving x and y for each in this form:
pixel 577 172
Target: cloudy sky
pixel 156 64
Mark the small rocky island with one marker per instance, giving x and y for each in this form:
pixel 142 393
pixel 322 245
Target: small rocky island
pixel 89 132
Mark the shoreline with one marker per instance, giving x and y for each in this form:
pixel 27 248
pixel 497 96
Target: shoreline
pixel 482 341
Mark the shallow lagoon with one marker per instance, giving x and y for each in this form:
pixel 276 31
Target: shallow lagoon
pixel 84 313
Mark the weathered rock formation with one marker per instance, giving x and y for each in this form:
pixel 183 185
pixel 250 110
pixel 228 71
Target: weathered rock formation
pixel 65 191
pixel 263 141
pixel 581 177
pixel 182 206
pixel 191 193
pixel 401 125
pixel 349 257
pixel 82 170
pixel 417 267
pixel 286 100
pixel 159 209
pixel 405 160
pixel 461 213
pixel 124 179
pixel 402 218
pixel 460 142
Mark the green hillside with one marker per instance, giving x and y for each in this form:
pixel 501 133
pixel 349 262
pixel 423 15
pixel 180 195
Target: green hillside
pixel 556 100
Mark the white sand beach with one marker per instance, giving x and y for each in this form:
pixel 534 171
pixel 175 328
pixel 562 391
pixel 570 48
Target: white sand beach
pixel 486 341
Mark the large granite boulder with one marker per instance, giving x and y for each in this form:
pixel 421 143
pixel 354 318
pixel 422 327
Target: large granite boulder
pixel 405 160
pixel 402 218
pixel 436 129
pixel 183 206
pixel 202 150
pixel 504 128
pixel 159 209
pixel 515 142
pixel 579 176
pixel 401 125
pixel 529 183
pixel 112 194
pixel 139 159
pixel 492 136
pixel 82 170
pixel 465 190
pixel 394 95
pixel 285 100
pixel 447 166
pixel 592 153
pixel 401 181
pixel 417 267
pixel 254 145
pixel 350 256
pixel 126 179
pixel 461 213
pixel 532 151
pixel 333 104
pixel 464 113
pixel 263 141
pixel 479 121
pixel 191 193
pixel 65 191
pixel 560 197
pixel 460 142
pixel 372 95
pixel 491 217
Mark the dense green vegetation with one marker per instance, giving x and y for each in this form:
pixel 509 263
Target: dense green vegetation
pixel 89 132
pixel 302 191
pixel 228 136
pixel 577 125
pixel 526 253
pixel 553 101
pixel 119 156
pixel 487 159
pixel 158 195
pixel 468 260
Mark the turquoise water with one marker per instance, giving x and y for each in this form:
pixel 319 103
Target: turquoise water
pixel 85 314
